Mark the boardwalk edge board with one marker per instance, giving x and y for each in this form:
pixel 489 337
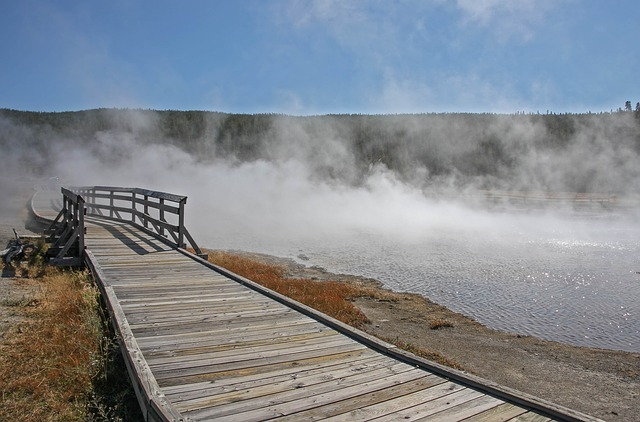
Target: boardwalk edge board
pixel 156 407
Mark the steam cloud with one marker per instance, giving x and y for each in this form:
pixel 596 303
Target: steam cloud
pixel 308 177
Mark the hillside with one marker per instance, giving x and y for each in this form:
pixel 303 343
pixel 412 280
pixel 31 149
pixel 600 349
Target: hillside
pixel 569 152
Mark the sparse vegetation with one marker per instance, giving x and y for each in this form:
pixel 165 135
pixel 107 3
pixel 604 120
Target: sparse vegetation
pixel 47 368
pixel 61 363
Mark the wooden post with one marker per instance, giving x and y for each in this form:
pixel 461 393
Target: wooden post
pixel 181 223
pixel 162 216
pixel 111 203
pixel 133 207
pixel 92 199
pixel 75 217
pixel 146 211
pixel 81 213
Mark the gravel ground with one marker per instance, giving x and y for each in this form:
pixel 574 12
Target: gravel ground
pixel 16 293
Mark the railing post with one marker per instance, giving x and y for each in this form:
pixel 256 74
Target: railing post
pixel 133 207
pixel 162 216
pixel 181 223
pixel 81 213
pixel 146 211
pixel 75 213
pixel 92 199
pixel 111 203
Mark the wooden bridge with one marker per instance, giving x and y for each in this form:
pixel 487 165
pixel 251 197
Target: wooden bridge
pixel 201 343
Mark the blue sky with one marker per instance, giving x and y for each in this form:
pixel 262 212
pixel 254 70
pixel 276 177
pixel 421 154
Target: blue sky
pixel 324 56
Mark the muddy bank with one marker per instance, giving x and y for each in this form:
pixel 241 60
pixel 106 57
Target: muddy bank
pixel 601 383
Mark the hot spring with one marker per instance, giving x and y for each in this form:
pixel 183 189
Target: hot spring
pixel 570 277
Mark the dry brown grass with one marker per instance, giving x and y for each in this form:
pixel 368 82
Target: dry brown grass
pixel 47 367
pixel 440 323
pixel 329 297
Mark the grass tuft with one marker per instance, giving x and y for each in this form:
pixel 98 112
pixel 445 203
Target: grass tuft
pixel 440 323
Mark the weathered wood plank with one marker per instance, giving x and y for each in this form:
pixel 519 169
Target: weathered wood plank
pixel 234 371
pixel 327 369
pixel 294 401
pixel 292 387
pixel 245 362
pixel 231 351
pixel 378 397
pixel 237 328
pixel 277 352
pixel 531 417
pixel 465 410
pixel 426 410
pixel 370 411
pixel 200 346
pixel 503 412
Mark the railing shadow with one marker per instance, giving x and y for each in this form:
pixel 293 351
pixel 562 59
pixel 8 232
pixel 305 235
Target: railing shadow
pixel 129 237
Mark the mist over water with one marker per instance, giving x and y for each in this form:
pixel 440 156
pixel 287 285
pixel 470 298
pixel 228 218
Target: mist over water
pixel 413 218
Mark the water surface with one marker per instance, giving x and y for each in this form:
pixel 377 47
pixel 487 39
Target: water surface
pixel 572 278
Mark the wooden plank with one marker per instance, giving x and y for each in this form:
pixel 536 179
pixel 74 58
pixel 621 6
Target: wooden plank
pixel 210 322
pixel 426 410
pixel 233 371
pixel 465 410
pixel 244 362
pixel 191 301
pixel 531 417
pixel 503 412
pixel 264 392
pixel 278 352
pixel 390 407
pixel 328 369
pixel 236 327
pixel 232 352
pixel 294 401
pixel 199 345
pixel 383 396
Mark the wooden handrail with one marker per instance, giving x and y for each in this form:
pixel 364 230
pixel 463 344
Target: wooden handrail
pixel 160 214
pixel 152 211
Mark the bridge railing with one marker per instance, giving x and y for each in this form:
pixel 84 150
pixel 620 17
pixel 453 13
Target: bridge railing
pixel 67 230
pixel 158 213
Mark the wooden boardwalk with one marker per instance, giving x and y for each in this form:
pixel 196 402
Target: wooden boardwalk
pixel 204 344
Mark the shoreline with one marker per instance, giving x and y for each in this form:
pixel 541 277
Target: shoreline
pixel 561 373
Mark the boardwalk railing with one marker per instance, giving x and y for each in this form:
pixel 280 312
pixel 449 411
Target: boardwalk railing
pixel 158 213
pixel 67 230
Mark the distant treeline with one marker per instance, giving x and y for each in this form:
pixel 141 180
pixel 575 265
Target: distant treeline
pixel 490 150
